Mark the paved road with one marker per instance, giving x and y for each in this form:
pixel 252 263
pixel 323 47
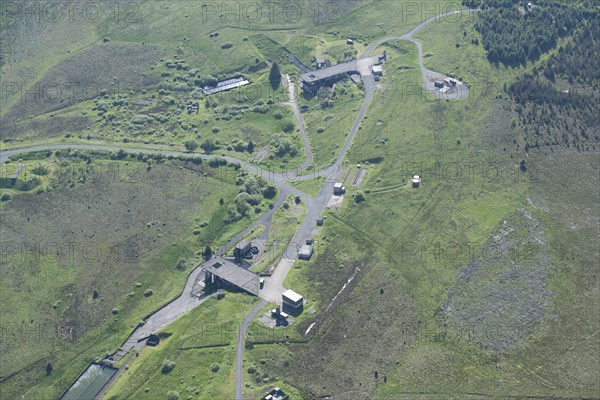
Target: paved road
pixel 239 353
pixel 273 287
pixel 456 93
pixel 274 284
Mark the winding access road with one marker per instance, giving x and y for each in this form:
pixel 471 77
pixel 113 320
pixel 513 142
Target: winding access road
pixel 274 284
pixel 273 287
pixel 456 93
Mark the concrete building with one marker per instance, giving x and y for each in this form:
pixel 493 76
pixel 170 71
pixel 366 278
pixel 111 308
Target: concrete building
pixel 416 181
pixel 276 394
pixel 326 76
pixel 242 250
pixel 292 299
pixel 220 273
pixel 306 252
pixel 153 340
pixel 277 313
pixel 377 70
pixel 313 80
pixel 338 189
pixel 449 82
pixel 322 62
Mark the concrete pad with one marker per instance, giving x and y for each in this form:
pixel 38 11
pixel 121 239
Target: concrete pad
pixel 365 65
pixel 335 202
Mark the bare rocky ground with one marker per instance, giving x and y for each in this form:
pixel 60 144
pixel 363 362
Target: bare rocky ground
pixel 501 295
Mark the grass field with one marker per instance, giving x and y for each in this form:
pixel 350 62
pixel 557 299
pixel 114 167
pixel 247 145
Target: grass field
pixel 195 343
pixel 470 279
pixel 312 187
pixel 329 117
pixel 481 283
pixel 74 288
pixel 286 221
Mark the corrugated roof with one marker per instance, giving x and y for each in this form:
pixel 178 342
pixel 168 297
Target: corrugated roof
pixel 226 85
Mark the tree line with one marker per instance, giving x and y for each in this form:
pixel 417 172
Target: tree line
pixel 553 117
pixel 513 34
pixel 577 61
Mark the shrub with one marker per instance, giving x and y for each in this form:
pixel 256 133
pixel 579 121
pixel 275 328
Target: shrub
pixel 217 161
pixel 5 197
pixel 277 115
pixel 215 367
pixel 190 145
pixel 253 200
pixel 209 145
pixel 148 293
pixel 227 45
pixel 142 119
pixel 240 146
pixel 115 311
pixel 359 197
pixel 172 395
pixel 170 100
pixel 288 126
pixel 181 264
pixel 270 191
pixel 167 366
pixel 261 109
